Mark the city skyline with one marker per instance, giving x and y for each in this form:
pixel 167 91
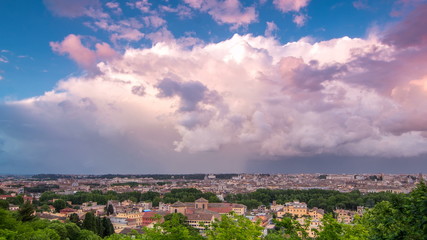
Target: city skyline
pixel 211 86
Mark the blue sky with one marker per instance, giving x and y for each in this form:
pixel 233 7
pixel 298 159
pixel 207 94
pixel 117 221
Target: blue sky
pixel 173 86
pixel 33 67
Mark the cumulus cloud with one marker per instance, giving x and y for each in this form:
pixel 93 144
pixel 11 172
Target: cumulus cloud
pixel 82 55
pixel 72 9
pixel 226 12
pixel 293 6
pixel 220 103
pixel 290 5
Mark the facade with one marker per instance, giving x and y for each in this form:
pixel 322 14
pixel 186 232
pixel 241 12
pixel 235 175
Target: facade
pixel 201 213
pixel 306 217
pixel 294 208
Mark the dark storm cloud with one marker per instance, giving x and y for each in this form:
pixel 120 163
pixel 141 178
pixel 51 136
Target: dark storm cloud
pixel 190 93
pixel 338 164
pixel 412 31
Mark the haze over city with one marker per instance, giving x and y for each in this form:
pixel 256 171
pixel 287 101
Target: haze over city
pixel 211 86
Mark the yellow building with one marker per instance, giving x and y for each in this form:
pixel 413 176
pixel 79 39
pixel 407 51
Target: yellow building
pixel 293 208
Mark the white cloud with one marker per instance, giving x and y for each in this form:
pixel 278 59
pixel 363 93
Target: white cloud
pixel 3 59
pixel 226 12
pixel 242 96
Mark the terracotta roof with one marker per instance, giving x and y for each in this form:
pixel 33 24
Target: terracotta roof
pixel 154 213
pixel 178 204
pixel 221 205
pixel 67 210
pixel 200 217
pixel 129 230
pixel 201 200
pixel 221 209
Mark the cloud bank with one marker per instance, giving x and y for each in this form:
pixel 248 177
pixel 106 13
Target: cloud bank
pixel 175 108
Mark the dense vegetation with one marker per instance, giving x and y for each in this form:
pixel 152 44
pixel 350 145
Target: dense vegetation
pixel 183 195
pixel 23 225
pixel 325 199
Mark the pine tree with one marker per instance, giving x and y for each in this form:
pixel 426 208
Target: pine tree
pixel 74 218
pixel 89 222
pixel 108 227
pixel 110 209
pixel 26 212
pixel 99 227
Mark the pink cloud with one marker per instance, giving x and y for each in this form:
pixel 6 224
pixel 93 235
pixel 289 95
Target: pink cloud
pixel 82 55
pixel 143 5
pixel 271 29
pixel 162 35
pixel 181 10
pixel 300 19
pixel 112 5
pixel 72 9
pixel 115 7
pixel 124 29
pixel 226 12
pixel 290 5
pixel 154 21
pixel 360 4
pixel 411 31
pixel 127 34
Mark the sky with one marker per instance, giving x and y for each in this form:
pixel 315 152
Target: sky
pixel 213 86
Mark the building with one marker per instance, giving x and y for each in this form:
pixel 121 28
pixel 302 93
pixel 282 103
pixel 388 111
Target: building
pixel 201 213
pixel 295 208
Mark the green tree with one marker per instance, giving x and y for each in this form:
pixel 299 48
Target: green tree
pixel 331 229
pixel 415 212
pixel 19 200
pixel 7 221
pixel 59 205
pixel 60 229
pixel 26 212
pixel 110 209
pixel 88 235
pixel 384 222
pixel 4 204
pixel 174 227
pixel 289 228
pixel 73 231
pixel 234 227
pixel 108 227
pixel 99 227
pixel 89 222
pixel 74 218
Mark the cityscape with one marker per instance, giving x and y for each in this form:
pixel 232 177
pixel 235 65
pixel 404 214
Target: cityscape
pixel 213 120
pixel 136 202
